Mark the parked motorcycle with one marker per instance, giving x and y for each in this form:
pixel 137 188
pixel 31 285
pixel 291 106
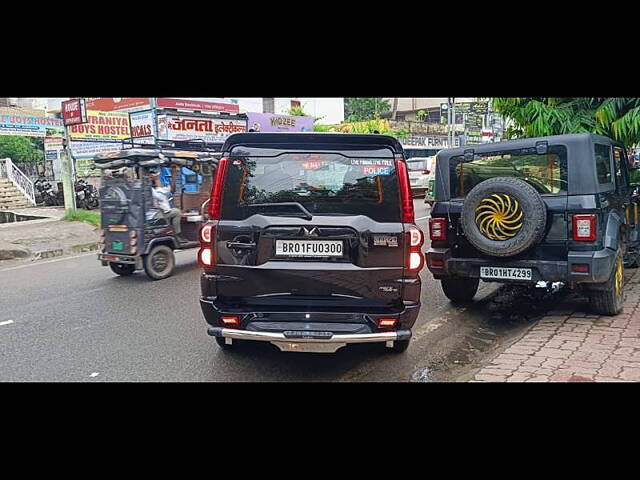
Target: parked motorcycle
pixel 45 192
pixel 86 195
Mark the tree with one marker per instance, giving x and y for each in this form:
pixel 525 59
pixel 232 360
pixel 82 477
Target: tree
pixel 297 112
pixel 615 117
pixel 360 109
pixel 21 149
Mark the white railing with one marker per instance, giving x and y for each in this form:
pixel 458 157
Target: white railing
pixel 19 179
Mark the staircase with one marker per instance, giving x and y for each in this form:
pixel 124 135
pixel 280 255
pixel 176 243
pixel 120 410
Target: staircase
pixel 10 196
pixel 16 190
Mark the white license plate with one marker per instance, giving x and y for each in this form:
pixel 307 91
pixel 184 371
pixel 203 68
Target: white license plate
pixel 506 273
pixel 309 248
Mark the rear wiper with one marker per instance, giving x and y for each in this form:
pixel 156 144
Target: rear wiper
pixel 307 215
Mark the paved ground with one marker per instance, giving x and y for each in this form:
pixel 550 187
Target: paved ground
pixel 569 345
pixel 46 237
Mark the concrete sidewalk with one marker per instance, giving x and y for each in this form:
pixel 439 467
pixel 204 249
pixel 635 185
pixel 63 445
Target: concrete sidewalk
pixel 575 346
pixel 47 237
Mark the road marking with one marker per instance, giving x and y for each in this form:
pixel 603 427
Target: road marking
pixel 94 374
pixel 46 262
pixel 8 322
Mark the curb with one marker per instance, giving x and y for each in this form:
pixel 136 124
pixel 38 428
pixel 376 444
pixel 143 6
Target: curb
pixel 59 252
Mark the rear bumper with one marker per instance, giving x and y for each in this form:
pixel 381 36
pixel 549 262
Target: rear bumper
pixel 105 258
pixel 600 265
pixel 287 342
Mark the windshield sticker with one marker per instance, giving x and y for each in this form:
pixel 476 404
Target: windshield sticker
pixel 375 171
pixel 369 162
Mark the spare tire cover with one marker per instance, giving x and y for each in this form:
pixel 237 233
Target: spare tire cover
pixel 504 216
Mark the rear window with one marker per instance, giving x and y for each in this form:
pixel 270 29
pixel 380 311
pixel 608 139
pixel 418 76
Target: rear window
pixel 547 173
pixel 416 164
pixel 323 183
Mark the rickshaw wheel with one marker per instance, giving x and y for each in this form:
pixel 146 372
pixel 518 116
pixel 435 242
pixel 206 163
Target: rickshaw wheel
pixel 122 269
pixel 159 263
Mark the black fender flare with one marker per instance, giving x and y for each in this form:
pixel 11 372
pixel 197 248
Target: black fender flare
pixel 615 228
pixel 169 241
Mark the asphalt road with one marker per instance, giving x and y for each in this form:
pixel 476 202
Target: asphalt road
pixel 71 319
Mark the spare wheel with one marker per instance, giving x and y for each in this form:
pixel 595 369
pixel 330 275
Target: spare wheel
pixel 504 216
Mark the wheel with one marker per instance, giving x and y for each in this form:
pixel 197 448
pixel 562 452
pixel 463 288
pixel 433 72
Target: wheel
pixel 159 263
pixel 503 216
pixel 122 269
pixel 400 346
pixel 460 290
pixel 221 343
pixel 609 298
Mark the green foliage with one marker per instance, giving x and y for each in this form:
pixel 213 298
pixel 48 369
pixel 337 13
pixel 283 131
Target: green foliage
pixel 87 216
pixel 421 115
pixel 22 149
pixel 297 112
pixel 618 118
pixel 370 126
pixel 360 109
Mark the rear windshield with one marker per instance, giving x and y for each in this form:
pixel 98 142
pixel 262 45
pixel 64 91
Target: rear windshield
pixel 547 173
pixel 416 164
pixel 323 183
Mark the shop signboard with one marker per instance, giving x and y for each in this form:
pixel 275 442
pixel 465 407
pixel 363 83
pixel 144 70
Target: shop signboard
pixel 102 127
pixel 74 111
pixel 53 147
pixel 143 127
pixel 220 105
pixel 210 130
pixel 430 141
pixel 269 122
pixel 30 126
pixel 122 104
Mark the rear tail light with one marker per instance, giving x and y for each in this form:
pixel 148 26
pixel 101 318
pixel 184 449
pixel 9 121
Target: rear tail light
pixel 406 202
pixel 580 268
pixel 205 254
pixel 387 322
pixel 584 228
pixel 436 262
pixel 416 239
pixel 438 229
pixel 215 204
pixel 426 172
pixel 230 320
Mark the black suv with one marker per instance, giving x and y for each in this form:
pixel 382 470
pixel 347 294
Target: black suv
pixel 312 243
pixel 549 209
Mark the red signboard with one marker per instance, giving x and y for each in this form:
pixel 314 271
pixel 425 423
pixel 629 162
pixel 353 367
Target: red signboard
pixel 198 105
pixel 104 104
pixel 74 112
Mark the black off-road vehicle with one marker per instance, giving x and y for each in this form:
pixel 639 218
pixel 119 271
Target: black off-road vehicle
pixel 312 243
pixel 549 209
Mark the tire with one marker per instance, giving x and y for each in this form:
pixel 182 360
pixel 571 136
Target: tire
pixel 122 269
pixel 159 263
pixel 610 299
pixel 400 346
pixel 460 290
pixel 497 226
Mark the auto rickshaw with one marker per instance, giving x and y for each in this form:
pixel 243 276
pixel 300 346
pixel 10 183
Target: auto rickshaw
pixel 135 234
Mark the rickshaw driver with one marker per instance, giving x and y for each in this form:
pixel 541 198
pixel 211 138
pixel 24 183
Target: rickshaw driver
pixel 161 201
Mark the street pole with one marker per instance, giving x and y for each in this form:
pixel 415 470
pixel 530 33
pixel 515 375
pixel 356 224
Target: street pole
pixel 67 176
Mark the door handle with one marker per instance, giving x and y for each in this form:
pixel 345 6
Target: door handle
pixel 241 245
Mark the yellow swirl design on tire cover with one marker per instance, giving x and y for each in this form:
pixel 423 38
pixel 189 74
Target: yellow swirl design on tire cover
pixel 499 217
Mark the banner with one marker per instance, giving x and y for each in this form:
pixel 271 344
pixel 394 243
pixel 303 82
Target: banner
pixel 74 111
pixel 210 130
pixel 83 153
pixel 200 105
pixel 102 126
pixel 104 104
pixel 269 122
pixel 30 126
pixel 142 127
pixel 52 153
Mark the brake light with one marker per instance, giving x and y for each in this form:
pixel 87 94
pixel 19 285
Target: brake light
pixel 230 320
pixel 584 228
pixel 438 229
pixel 406 202
pixel 387 322
pixel 415 237
pixel 215 203
pixel 205 254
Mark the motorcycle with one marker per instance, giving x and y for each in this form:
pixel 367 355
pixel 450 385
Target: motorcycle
pixel 86 195
pixel 45 193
